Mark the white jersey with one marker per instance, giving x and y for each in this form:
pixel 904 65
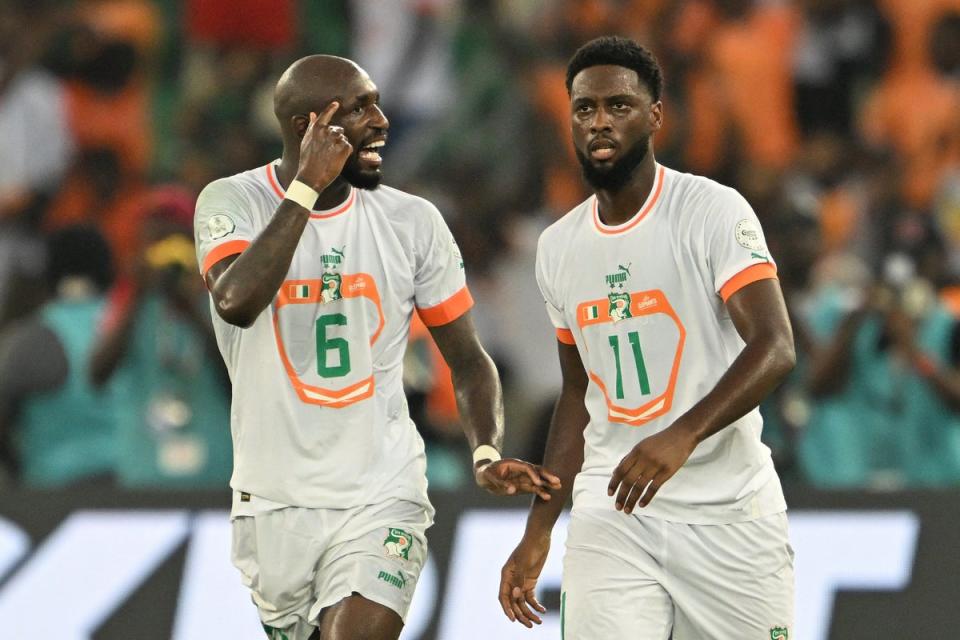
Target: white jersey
pixel 319 417
pixel 644 304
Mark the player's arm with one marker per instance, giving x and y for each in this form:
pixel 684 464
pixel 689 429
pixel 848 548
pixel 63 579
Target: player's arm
pixel 760 317
pixel 480 402
pixel 563 455
pixel 242 285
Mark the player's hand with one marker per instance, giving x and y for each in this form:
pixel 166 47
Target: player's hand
pixel 648 465
pixel 324 150
pixel 509 477
pixel 518 579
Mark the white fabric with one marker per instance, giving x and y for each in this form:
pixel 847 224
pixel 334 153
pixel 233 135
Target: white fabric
pixel 296 561
pixel 35 131
pixel 630 576
pixel 693 238
pixel 329 426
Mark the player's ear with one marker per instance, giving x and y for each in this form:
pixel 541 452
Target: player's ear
pixel 300 124
pixel 656 115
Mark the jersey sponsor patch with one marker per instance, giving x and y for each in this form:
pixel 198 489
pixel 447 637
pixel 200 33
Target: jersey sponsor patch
pixel 220 225
pixel 749 236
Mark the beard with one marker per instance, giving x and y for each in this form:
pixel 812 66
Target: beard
pixel 359 178
pixel 615 177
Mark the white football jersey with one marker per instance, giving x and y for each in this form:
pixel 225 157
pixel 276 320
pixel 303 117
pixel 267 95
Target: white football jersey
pixel 644 304
pixel 319 417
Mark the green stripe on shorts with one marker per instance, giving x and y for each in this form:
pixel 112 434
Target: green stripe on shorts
pixel 563 611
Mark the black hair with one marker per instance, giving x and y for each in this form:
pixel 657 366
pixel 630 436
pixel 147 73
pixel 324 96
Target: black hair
pixel 79 250
pixel 622 52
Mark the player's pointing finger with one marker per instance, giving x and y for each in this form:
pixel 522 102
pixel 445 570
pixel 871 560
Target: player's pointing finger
pixel 324 118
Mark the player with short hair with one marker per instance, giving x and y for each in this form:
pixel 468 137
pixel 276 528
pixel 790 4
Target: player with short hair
pixel 671 329
pixel 314 271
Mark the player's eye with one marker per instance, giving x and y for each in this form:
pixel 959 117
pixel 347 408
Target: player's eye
pixel 359 109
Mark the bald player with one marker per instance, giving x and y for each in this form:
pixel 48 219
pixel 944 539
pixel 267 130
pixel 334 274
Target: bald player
pixel 314 270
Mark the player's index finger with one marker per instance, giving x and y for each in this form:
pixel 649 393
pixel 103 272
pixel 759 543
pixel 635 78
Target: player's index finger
pixel 324 118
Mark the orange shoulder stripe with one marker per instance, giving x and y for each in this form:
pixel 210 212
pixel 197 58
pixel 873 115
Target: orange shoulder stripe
pixel 748 276
pixel 448 310
pixel 222 251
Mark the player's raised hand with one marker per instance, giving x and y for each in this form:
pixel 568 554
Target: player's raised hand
pixel 510 477
pixel 324 150
pixel 518 579
pixel 649 464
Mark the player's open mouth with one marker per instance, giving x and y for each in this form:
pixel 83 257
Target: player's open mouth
pixel 602 150
pixel 370 154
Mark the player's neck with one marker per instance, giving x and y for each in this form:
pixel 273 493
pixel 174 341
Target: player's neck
pixel 617 207
pixel 335 194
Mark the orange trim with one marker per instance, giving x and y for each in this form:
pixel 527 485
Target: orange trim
pixel 222 251
pixel 277 189
pixel 642 303
pixel 357 285
pixel 448 310
pixel 566 336
pixel 316 215
pixel 626 226
pixel 748 276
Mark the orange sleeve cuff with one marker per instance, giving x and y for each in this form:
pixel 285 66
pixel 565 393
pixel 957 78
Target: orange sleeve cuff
pixel 448 310
pixel 566 336
pixel 748 276
pixel 222 251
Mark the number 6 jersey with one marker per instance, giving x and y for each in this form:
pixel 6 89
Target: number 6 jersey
pixel 319 417
pixel 644 304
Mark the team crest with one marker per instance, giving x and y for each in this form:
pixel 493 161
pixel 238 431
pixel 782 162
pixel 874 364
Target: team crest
pixel 619 299
pixel 331 287
pixel 398 543
pixel 778 633
pixel 331 280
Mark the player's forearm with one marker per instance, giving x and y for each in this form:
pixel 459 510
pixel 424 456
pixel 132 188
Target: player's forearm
pixel 250 283
pixel 480 401
pixel 563 456
pixel 759 369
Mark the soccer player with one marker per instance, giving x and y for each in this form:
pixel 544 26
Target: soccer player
pixel 314 271
pixel 671 329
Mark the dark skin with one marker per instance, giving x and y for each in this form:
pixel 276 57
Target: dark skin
pixel 610 105
pixel 316 150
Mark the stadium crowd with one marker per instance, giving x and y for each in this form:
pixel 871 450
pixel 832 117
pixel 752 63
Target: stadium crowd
pixel 839 121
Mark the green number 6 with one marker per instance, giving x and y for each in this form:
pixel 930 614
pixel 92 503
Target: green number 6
pixel 325 344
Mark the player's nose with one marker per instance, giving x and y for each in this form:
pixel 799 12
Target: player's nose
pixel 379 119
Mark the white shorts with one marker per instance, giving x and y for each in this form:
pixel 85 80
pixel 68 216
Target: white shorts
pixel 298 561
pixel 630 576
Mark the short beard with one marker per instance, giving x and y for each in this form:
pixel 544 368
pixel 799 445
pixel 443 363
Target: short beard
pixel 360 179
pixel 617 176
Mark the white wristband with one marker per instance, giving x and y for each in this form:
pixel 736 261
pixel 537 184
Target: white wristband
pixel 485 452
pixel 302 194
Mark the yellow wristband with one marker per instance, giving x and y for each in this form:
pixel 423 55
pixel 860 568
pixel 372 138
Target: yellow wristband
pixel 485 452
pixel 302 194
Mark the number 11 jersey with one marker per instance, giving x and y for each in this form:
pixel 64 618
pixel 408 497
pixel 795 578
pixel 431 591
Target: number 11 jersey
pixel 319 417
pixel 644 304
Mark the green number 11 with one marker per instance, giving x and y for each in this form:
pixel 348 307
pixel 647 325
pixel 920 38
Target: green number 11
pixel 634 339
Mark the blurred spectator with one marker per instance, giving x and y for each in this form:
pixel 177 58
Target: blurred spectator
pixel 157 346
pixel 887 377
pixel 738 86
pixel 927 136
pixel 100 191
pixel 56 427
pixel 102 52
pixel 35 149
pixel 842 48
